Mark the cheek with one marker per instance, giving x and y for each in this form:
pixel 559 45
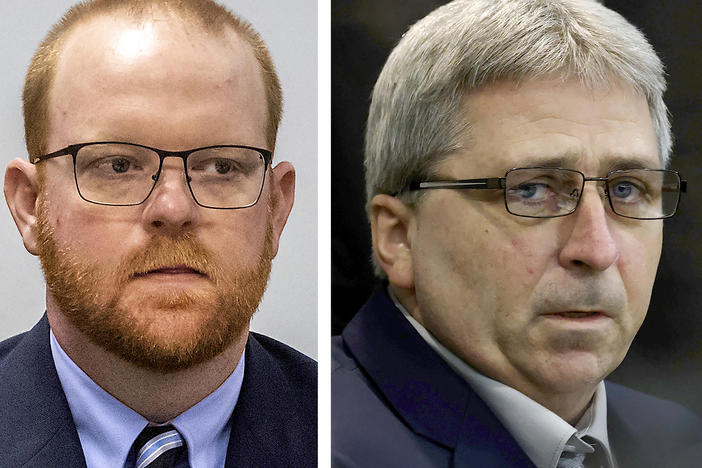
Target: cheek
pixel 638 261
pixel 76 221
pixel 75 224
pixel 233 239
pixel 95 238
pixel 524 259
pixel 495 269
pixel 520 255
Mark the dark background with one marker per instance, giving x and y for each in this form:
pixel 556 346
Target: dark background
pixel 666 357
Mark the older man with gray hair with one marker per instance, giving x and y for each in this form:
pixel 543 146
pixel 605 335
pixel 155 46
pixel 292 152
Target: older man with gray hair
pixel 516 171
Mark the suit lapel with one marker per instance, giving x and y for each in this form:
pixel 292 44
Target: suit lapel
pixel 485 442
pixel 36 426
pixel 431 399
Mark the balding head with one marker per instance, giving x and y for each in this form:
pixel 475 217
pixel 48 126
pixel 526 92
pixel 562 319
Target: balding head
pixel 204 15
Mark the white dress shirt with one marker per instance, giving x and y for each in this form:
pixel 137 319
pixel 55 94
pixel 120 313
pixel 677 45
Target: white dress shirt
pixel 541 433
pixel 107 428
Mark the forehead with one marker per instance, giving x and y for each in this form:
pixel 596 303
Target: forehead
pixel 555 122
pixel 161 68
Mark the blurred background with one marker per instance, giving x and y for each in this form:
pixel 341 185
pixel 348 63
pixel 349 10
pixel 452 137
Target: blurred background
pixel 666 356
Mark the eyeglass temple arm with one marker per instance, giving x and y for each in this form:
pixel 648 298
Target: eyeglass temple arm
pixel 55 154
pixel 493 183
pixel 682 187
pixel 489 183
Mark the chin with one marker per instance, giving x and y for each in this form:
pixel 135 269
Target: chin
pixel 165 334
pixel 173 334
pixel 575 370
pixel 175 325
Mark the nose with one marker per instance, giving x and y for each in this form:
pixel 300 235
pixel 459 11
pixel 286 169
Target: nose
pixel 170 209
pixel 589 243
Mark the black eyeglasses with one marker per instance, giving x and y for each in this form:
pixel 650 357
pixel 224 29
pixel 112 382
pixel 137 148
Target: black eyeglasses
pixel 549 192
pixel 123 174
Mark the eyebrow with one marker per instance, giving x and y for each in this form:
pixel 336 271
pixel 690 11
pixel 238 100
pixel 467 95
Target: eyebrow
pixel 617 162
pixel 565 160
pixel 608 163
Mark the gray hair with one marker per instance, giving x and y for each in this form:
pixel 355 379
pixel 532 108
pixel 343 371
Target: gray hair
pixel 416 115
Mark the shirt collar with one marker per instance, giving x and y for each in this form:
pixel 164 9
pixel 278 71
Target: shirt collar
pixel 541 433
pixel 107 428
pixel 206 426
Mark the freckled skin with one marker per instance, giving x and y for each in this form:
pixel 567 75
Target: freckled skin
pixel 482 280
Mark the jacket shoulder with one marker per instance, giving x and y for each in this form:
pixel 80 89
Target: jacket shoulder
pixel 274 422
pixel 635 419
pixel 36 426
pixel 296 367
pixel 365 430
pixel 275 365
pixel 650 413
pixel 8 345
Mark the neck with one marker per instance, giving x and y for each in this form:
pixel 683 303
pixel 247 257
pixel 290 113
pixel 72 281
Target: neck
pixel 568 405
pixel 156 396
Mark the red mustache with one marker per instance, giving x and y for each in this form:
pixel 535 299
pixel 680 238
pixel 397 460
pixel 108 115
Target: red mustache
pixel 184 253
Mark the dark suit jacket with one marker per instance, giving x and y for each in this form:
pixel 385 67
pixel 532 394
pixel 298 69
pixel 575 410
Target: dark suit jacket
pixel 274 423
pixel 396 403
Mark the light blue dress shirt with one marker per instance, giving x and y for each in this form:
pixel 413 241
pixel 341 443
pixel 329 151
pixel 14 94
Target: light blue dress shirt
pixel 107 428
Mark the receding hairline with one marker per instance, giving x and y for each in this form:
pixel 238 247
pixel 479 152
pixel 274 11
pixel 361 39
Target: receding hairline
pixel 206 17
pixel 140 11
pixel 227 36
pixel 188 50
pixel 224 33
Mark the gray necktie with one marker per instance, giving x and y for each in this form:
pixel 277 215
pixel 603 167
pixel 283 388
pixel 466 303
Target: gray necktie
pixel 577 460
pixel 571 460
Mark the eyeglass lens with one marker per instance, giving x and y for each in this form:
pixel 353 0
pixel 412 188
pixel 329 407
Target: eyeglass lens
pixel 549 192
pixel 121 174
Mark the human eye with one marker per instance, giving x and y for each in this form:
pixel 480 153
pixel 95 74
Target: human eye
pixel 111 165
pixel 225 164
pixel 532 191
pixel 118 164
pixel 218 167
pixel 628 190
pixel 542 191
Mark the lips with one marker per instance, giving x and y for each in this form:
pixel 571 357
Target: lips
pixel 574 316
pixel 577 314
pixel 171 270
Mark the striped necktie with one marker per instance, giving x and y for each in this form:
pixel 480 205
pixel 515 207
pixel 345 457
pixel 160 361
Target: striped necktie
pixel 158 447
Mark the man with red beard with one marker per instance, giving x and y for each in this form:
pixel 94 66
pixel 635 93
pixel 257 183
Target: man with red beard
pixel 152 201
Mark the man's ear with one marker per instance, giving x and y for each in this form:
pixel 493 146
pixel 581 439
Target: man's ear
pixel 21 192
pixel 283 196
pixel 391 224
